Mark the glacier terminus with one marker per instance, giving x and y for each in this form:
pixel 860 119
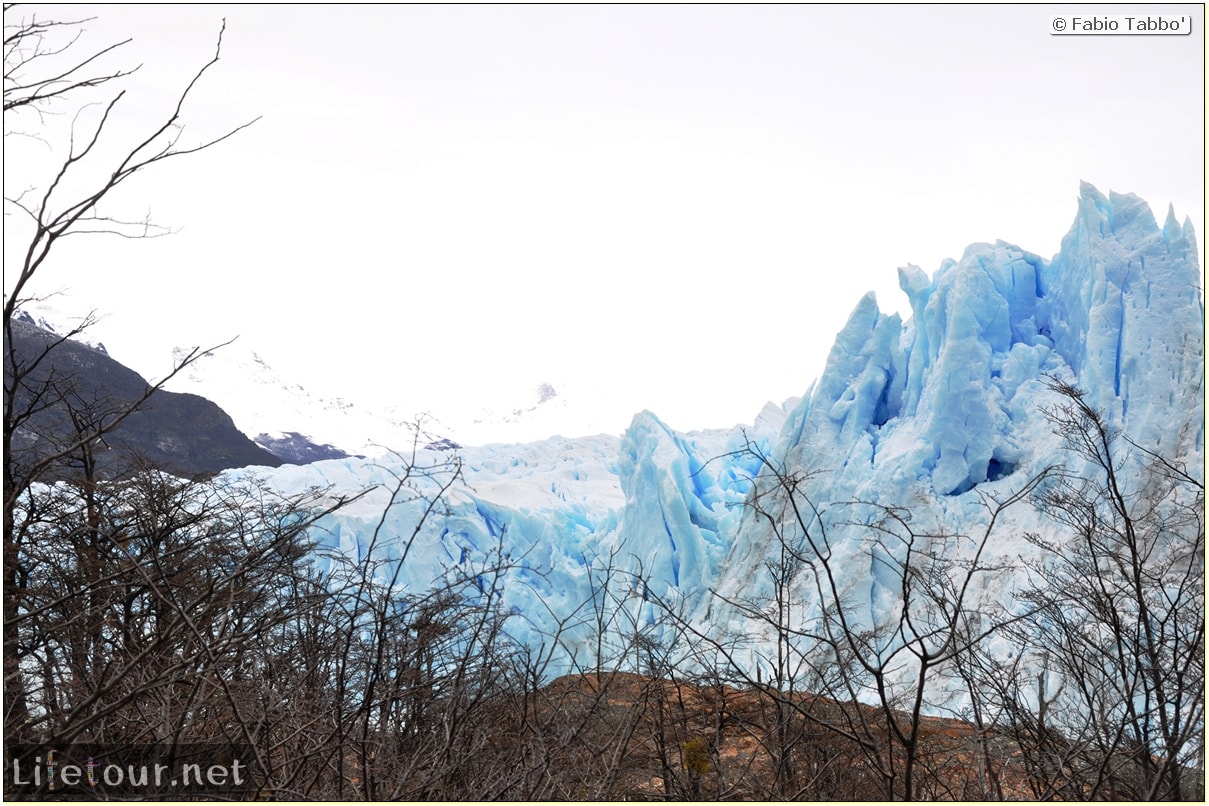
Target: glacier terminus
pixel 941 416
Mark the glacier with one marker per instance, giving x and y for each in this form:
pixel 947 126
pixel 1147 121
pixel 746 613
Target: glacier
pixel 939 414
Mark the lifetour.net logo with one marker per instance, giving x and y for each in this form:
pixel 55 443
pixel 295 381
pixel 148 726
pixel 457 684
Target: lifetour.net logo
pixel 131 772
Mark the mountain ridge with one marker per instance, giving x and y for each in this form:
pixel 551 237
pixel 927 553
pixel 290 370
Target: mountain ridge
pixel 182 433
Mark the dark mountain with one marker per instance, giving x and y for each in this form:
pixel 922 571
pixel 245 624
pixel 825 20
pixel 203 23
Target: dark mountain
pixel 296 449
pixel 77 386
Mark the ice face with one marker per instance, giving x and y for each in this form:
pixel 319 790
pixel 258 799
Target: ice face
pixel 1127 316
pixel 683 499
pixel 952 415
pixel 934 414
pixel 1118 310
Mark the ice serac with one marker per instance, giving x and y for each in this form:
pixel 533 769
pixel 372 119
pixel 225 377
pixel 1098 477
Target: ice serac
pixel 971 326
pixel 949 407
pixel 684 495
pixel 955 402
pixel 835 433
pixel 1126 313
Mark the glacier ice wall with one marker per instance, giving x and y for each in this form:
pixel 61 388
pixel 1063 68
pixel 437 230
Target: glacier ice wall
pixel 952 398
pixel 1123 303
pixel 946 414
pixel 935 414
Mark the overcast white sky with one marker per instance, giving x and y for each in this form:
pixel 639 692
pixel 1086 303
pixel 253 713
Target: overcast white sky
pixel 674 206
